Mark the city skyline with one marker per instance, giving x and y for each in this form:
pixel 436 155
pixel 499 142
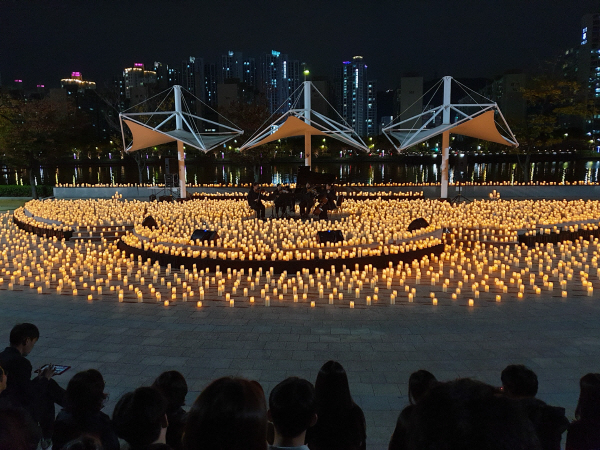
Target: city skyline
pixel 53 38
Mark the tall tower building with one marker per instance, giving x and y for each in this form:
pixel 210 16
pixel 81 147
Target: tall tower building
pixel 371 116
pixel 281 79
pixel 589 72
pixel 232 66
pixel 210 84
pixel 136 81
pixel 355 93
pixel 76 83
pixel 410 99
pixel 249 72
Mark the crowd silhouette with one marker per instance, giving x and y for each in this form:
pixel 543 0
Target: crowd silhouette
pixel 233 413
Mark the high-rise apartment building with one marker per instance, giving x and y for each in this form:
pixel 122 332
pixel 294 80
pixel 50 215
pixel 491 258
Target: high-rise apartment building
pixel 281 80
pixel 76 83
pixel 371 117
pixel 210 85
pixel 232 66
pixel 249 73
pixel 356 96
pixel 589 72
pixel 410 100
pixel 136 81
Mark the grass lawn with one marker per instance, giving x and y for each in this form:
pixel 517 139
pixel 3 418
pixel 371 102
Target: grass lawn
pixel 7 204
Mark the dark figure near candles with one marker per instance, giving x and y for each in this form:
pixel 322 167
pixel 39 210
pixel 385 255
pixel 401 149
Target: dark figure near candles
pixel 282 199
pixel 307 199
pixel 255 201
pixel 327 201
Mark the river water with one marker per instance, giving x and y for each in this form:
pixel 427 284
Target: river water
pixel 359 172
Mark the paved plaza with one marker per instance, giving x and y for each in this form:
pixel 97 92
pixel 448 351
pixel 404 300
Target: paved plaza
pixel 379 346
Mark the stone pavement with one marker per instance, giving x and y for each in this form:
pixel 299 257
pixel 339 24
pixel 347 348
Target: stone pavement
pixel 379 346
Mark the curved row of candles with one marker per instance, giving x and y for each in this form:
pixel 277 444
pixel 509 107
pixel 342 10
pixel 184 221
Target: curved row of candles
pixel 364 223
pixel 475 276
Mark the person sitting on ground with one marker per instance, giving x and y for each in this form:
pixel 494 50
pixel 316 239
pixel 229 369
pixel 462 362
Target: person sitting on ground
pixel 82 414
pixel 292 410
pixel 36 396
pixel 419 383
pixel 229 414
pixel 584 431
pixel 255 202
pixel 521 383
pixel 140 418
pixel 469 415
pixel 280 200
pixel 173 387
pixel 341 423
pixel 17 430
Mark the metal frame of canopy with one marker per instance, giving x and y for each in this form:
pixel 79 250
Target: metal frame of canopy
pixel 316 124
pixel 185 133
pixel 480 124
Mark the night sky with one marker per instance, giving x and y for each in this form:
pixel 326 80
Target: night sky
pixel 43 41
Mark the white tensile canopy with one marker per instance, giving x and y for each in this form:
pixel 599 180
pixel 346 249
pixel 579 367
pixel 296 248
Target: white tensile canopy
pixel 145 136
pixel 292 126
pixel 305 122
pixel 149 129
pixel 482 124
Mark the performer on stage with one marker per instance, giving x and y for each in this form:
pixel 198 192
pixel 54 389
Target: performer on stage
pixel 307 199
pixel 327 200
pixel 255 202
pixel 280 199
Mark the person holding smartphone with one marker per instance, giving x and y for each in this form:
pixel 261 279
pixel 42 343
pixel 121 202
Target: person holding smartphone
pixel 38 395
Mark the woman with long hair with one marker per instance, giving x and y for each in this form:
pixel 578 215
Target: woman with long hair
pixel 82 414
pixel 584 431
pixel 419 384
pixel 340 422
pixel 229 414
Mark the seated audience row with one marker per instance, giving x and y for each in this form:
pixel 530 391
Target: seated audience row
pixel 232 413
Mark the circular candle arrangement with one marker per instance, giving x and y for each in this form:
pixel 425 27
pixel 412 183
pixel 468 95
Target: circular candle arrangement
pixel 482 260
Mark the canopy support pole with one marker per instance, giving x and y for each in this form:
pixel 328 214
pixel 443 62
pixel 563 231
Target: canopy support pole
pixel 445 137
pixel 307 140
pixel 180 153
pixel 445 153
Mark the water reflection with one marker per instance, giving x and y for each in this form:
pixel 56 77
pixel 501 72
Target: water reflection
pixel 355 172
